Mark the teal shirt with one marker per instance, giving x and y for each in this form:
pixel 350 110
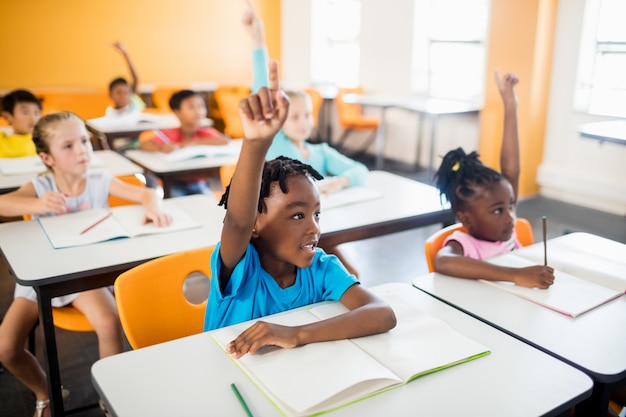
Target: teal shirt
pixel 325 159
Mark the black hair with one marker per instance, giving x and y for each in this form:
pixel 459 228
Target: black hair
pixel 18 96
pixel 460 175
pixel 116 82
pixel 279 169
pixel 178 97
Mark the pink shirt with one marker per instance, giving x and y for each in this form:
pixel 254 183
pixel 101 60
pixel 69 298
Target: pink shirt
pixel 482 249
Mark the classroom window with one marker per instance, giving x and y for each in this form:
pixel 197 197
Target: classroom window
pixel 601 86
pixel 449 48
pixel 335 50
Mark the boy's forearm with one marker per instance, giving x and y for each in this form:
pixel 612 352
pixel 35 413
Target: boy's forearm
pixel 366 320
pixel 463 267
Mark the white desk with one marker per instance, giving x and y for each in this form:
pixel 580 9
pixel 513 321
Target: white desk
pixel 169 172
pixel 114 163
pixel 193 377
pixel 611 131
pixel 107 129
pixel 405 204
pixel 63 271
pixel 594 342
pixel 428 107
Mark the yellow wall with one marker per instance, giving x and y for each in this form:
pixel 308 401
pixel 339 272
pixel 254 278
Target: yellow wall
pixel 67 43
pixel 521 40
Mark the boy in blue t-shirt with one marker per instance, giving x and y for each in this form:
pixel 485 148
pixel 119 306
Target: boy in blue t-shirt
pixel 267 260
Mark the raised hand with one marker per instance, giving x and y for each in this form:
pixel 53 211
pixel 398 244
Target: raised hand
pixel 263 114
pixel 506 85
pixel 254 26
pixel 120 47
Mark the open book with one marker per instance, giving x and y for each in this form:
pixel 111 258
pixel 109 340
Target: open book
pixel 588 272
pixel 97 225
pixel 232 148
pixel 34 165
pixel 321 377
pixel 346 196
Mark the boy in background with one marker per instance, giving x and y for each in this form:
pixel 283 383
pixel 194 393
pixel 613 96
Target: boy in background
pixel 124 95
pixel 190 109
pixel 22 111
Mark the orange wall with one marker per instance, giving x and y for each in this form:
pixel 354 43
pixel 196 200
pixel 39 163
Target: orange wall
pixel 521 40
pixel 67 43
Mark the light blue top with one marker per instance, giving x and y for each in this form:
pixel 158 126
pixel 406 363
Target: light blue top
pixel 252 293
pixel 325 159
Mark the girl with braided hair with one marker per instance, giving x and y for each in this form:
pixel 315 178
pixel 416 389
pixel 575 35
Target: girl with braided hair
pixel 267 260
pixel 484 201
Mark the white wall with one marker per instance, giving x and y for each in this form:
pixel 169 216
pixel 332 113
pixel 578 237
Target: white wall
pixel 386 32
pixel 576 170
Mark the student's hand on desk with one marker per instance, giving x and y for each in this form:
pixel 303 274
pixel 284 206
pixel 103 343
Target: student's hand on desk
pixel 333 185
pixel 159 218
pixel 262 334
pixel 537 276
pixel 263 114
pixel 52 202
pixel 168 147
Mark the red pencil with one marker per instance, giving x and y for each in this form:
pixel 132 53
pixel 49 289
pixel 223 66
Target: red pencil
pixel 109 214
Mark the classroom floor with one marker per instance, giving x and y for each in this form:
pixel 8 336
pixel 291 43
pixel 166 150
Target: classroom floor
pixel 396 257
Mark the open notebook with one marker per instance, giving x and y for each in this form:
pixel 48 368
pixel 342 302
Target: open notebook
pixel 232 148
pixel 347 196
pixel 68 230
pixel 586 276
pixel 34 165
pixel 321 377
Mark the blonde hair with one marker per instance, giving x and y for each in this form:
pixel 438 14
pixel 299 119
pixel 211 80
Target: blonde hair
pixel 45 127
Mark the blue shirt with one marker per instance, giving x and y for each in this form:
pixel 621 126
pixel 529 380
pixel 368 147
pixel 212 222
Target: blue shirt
pixel 325 160
pixel 252 293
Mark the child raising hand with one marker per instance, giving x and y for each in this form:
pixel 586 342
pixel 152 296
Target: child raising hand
pixel 484 201
pixel 267 260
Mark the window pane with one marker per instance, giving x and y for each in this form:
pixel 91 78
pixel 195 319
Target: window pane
pixel 447 81
pixel 612 17
pixel 458 19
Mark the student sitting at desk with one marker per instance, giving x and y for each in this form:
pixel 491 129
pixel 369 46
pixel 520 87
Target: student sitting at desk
pixel 22 110
pixel 267 260
pixel 124 96
pixel 63 144
pixel 484 201
pixel 190 109
pixel 292 140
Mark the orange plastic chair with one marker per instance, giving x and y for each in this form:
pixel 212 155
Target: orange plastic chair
pixel 227 98
pixel 351 117
pixel 161 97
pixel 435 241
pixel 316 100
pixel 151 302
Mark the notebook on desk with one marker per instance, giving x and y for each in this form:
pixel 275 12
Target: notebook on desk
pixel 34 165
pixel 90 226
pixel 321 377
pixel 347 196
pixel 584 277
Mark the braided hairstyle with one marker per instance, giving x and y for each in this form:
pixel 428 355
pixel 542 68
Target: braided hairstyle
pixel 461 175
pixel 279 169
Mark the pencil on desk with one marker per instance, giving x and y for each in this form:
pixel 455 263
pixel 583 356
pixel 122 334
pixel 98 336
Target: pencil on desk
pixel 109 214
pixel 545 244
pixel 241 400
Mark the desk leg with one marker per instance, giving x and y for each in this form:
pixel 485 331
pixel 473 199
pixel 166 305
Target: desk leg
pixel 420 128
pixel 50 352
pixel 431 158
pixel 598 403
pixel 380 139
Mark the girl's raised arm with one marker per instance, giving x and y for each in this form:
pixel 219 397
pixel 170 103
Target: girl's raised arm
pixel 509 153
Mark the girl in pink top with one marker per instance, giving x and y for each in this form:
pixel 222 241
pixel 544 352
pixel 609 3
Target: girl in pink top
pixel 484 201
